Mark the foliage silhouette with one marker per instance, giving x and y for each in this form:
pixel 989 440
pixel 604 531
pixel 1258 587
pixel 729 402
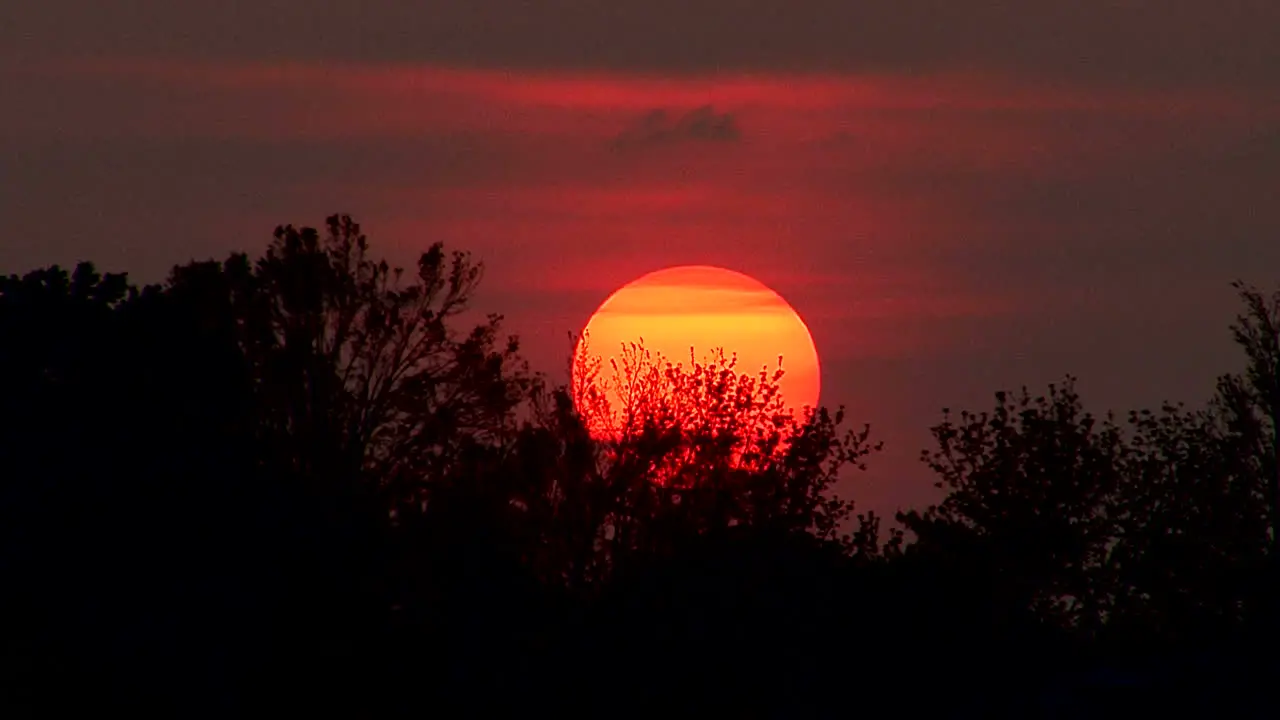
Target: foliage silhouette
pixel 1153 530
pixel 301 483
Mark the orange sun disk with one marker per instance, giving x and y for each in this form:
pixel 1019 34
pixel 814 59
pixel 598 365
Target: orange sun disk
pixel 707 308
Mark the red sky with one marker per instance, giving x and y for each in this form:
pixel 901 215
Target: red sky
pixel 948 223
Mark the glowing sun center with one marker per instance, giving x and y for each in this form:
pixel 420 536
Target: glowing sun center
pixel 704 308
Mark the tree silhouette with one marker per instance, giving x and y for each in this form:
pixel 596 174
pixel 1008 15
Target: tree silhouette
pixel 365 399
pixel 126 478
pixel 1250 407
pixel 1190 536
pixel 691 450
pixel 302 482
pixel 1027 489
pixel 364 374
pixel 1152 533
pixel 1251 402
pixel 247 428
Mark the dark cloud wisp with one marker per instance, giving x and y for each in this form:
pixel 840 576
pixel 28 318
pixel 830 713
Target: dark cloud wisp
pixel 660 127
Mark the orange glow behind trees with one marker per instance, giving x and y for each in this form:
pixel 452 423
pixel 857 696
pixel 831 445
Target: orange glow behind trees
pixel 738 402
pixel 727 437
pixel 702 320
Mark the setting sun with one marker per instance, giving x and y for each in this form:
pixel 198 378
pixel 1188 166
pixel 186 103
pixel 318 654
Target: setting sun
pixel 703 308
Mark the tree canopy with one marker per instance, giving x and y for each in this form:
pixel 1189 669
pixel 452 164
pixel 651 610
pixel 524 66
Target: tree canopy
pixel 305 480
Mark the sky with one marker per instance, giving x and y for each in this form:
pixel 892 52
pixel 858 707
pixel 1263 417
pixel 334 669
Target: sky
pixel 957 196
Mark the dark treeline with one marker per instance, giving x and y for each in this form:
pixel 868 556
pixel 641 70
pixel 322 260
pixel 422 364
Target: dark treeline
pixel 298 483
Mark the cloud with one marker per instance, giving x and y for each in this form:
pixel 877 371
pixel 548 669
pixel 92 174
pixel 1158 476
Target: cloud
pixel 701 124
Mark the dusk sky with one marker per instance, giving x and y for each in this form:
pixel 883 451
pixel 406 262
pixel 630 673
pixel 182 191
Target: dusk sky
pixel 956 197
